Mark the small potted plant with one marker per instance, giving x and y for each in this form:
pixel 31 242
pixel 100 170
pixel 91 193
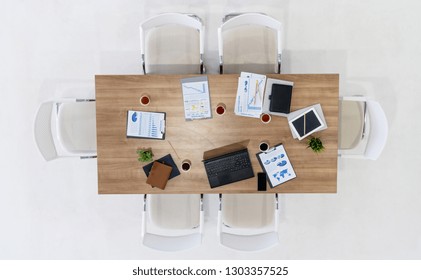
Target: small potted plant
pixel 144 155
pixel 315 144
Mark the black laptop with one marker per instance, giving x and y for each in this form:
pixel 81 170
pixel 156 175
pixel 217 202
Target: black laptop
pixel 228 168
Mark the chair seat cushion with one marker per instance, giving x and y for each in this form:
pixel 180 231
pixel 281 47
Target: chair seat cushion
pixel 351 124
pixel 248 210
pixel 174 211
pixel 77 126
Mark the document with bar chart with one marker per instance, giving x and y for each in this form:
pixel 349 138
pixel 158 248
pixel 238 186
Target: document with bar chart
pixel 146 124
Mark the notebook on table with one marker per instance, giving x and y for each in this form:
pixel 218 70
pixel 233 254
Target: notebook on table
pixel 159 175
pixel 167 160
pixel 280 98
pixel 277 98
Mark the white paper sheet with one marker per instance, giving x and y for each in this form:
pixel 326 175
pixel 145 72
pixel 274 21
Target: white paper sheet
pixel 196 98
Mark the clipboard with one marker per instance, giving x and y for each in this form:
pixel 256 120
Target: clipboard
pixel 148 125
pixel 277 166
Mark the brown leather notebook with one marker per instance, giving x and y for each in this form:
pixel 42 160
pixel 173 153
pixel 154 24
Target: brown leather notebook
pixel 159 175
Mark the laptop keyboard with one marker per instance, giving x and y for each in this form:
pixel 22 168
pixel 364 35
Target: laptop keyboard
pixel 229 164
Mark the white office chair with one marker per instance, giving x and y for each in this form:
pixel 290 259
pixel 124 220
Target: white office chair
pixel 245 43
pixel 168 57
pixel 248 222
pixel 66 128
pixel 172 222
pixel 363 128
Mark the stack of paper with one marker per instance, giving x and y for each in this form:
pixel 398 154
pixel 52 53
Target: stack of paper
pixel 306 121
pixel 250 94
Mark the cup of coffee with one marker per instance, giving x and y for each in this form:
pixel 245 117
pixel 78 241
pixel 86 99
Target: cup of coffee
pixel 220 109
pixel 265 118
pixel 186 165
pixel 264 146
pixel 145 100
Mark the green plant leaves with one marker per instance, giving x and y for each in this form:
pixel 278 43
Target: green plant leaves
pixel 144 155
pixel 315 144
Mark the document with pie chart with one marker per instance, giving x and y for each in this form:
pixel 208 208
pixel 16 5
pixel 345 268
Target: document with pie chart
pixel 275 163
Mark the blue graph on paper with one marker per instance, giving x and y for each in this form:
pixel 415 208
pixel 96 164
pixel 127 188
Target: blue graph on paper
pixel 153 130
pixel 277 166
pixel 196 99
pixel 255 98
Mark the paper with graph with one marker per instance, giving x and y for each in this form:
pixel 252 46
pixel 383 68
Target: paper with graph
pixel 250 94
pixel 145 124
pixel 196 98
pixel 277 166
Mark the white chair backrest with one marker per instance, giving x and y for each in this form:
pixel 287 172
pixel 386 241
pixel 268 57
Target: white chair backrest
pixel 172 243
pixel 42 131
pixel 251 19
pixel 378 130
pixel 253 243
pixel 186 20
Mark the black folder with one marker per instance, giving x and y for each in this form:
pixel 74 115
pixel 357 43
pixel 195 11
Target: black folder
pixel 280 98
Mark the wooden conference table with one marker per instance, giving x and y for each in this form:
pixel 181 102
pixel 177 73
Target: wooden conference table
pixel 119 171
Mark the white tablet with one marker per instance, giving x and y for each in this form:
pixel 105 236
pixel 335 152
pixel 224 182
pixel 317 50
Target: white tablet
pixel 306 123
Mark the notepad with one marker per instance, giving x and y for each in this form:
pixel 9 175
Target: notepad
pixel 145 124
pixel 167 160
pixel 159 175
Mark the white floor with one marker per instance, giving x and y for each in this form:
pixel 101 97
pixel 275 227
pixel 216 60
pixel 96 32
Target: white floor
pixel 54 48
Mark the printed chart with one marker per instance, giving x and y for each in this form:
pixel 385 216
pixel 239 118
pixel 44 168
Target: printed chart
pixel 250 94
pixel 277 166
pixel 196 98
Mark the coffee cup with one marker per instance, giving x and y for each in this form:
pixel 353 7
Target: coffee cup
pixel 186 165
pixel 220 109
pixel 265 118
pixel 264 146
pixel 145 100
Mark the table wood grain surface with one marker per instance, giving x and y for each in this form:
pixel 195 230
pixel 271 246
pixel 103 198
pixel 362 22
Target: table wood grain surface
pixel 119 171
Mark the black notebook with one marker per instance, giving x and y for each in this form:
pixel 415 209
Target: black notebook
pixel 280 98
